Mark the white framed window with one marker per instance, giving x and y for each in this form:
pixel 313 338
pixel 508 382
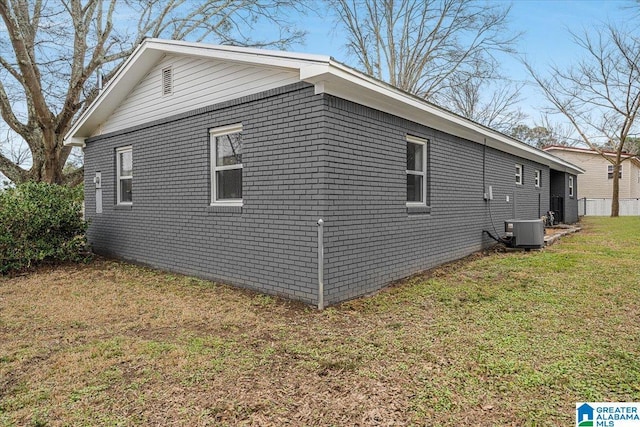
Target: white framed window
pixel 518 174
pixel 610 172
pixel 416 171
pixel 537 179
pixel 124 173
pixel 570 186
pixel 226 165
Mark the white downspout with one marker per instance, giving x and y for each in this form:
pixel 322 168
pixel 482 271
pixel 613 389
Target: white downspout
pixel 320 265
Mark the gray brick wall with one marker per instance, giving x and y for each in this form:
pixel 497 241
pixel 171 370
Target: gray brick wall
pixel 371 238
pixel 305 157
pixel 269 245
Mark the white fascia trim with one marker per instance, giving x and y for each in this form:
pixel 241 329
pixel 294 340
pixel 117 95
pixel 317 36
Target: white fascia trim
pixel 72 138
pixel 234 53
pixel 150 50
pixel 323 75
pixel 74 142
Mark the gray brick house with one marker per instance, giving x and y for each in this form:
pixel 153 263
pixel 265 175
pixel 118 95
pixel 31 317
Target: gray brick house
pixel 218 162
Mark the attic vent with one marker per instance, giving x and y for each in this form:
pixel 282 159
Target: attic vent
pixel 167 81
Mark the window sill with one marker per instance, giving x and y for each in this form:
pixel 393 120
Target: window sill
pixel 417 210
pixel 123 207
pixel 225 208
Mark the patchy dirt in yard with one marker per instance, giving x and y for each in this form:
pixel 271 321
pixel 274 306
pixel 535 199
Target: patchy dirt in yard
pixel 114 344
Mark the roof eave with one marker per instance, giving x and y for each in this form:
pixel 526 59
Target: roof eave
pixel 149 52
pixel 339 80
pixel 326 74
pixel 134 68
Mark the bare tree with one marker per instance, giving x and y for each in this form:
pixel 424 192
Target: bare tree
pixel 15 150
pixel 488 101
pixel 51 51
pixel 420 45
pixel 600 94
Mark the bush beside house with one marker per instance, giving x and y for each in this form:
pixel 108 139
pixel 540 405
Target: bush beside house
pixel 40 223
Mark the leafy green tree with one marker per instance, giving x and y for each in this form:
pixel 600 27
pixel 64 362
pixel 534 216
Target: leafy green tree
pixel 538 136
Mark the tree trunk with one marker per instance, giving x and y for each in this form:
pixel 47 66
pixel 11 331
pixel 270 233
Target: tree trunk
pixel 615 197
pixel 53 161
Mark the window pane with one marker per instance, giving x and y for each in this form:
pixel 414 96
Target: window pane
pixel 126 163
pixel 229 184
pixel 126 190
pixel 414 188
pixel 414 156
pixel 229 149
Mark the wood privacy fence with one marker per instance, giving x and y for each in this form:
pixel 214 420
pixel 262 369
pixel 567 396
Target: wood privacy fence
pixel 602 207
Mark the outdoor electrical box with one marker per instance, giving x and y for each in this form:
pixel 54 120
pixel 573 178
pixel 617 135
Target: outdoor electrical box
pixel 525 233
pixel 97 180
pixel 488 195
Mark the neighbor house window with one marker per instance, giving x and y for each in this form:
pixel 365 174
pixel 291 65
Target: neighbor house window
pixel 610 172
pixel 416 171
pixel 124 166
pixel 518 174
pixel 226 165
pixel 537 179
pixel 570 186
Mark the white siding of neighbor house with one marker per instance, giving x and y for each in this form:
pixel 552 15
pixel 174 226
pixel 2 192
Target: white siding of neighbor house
pixel 196 83
pixel 634 180
pixel 595 184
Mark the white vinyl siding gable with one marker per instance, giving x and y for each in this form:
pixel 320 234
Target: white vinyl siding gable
pixel 196 83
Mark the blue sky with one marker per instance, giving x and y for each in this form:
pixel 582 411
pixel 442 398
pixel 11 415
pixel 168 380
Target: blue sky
pixel 545 25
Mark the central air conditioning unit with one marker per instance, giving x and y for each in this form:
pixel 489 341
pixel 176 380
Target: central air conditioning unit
pixel 525 233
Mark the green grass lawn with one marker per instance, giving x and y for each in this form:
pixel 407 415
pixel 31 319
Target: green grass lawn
pixel 497 339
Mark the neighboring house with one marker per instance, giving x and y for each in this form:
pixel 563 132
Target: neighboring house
pixel 597 181
pixel 218 161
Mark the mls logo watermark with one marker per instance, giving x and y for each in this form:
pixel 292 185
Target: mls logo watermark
pixel 608 414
